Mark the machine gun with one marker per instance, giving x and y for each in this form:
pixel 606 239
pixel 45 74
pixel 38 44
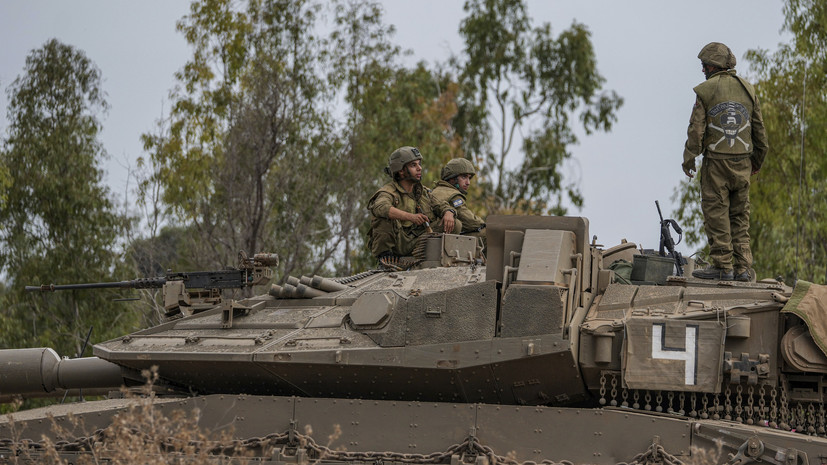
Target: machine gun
pixel 666 241
pixel 190 292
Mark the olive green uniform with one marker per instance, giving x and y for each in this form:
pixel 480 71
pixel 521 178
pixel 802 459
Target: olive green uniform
pixel 472 224
pixel 727 128
pixel 398 237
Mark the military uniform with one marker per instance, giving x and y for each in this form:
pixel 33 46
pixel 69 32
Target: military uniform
pixel 728 129
pixel 472 224
pixel 398 237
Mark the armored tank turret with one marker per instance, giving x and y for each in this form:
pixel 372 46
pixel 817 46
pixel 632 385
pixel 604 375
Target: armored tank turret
pixel 541 353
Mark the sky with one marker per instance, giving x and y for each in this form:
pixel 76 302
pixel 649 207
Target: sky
pixel 646 50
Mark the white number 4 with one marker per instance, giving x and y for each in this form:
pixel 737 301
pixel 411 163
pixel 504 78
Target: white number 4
pixel 689 354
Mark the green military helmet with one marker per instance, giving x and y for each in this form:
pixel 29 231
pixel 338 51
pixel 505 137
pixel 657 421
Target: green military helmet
pixel 456 167
pixel 717 54
pixel 401 157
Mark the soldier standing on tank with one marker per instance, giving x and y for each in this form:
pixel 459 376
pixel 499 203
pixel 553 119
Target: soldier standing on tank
pixel 452 189
pixel 727 128
pixel 403 209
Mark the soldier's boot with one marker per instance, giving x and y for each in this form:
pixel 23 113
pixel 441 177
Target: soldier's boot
pixel 745 276
pixel 713 272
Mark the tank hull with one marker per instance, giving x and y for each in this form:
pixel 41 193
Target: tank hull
pixel 350 430
pixel 544 355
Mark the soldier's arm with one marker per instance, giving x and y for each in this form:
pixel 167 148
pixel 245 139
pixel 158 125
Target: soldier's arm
pixel 416 218
pixel 760 145
pixel 444 211
pixel 694 136
pixel 381 204
pixel 382 207
pixel 470 221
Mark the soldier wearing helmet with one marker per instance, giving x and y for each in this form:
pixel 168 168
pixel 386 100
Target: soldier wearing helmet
pixel 403 209
pixel 452 189
pixel 727 128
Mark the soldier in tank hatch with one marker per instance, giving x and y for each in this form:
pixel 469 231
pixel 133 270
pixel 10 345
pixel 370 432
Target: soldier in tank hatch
pixel 403 209
pixel 452 189
pixel 727 128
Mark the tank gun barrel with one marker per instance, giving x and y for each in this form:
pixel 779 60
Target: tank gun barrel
pixel 41 370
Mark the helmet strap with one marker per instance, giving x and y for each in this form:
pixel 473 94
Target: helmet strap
pixel 455 182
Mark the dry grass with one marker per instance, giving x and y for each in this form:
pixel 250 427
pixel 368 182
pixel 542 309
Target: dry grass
pixel 141 434
pixel 702 456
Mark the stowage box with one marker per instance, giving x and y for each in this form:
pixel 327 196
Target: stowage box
pixel 652 269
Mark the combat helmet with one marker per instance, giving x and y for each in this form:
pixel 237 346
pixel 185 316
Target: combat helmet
pixel 401 157
pixel 456 167
pixel 717 54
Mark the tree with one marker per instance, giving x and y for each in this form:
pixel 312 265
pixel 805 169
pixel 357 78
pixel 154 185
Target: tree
pixel 788 225
pixel 788 213
pixel 235 164
pixel 253 158
pixel 515 80
pixel 58 224
pixel 5 183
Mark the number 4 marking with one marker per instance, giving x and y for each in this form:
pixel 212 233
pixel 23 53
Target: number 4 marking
pixel 689 354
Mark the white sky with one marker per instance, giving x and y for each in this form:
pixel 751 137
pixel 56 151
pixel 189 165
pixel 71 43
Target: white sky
pixel 646 50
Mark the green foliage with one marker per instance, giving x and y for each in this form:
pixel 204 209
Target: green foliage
pixel 58 224
pixel 251 157
pixel 788 214
pixel 5 184
pixel 806 19
pixel 244 118
pixel 527 82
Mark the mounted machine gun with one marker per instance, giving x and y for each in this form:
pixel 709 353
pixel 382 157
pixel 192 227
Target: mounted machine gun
pixel 194 291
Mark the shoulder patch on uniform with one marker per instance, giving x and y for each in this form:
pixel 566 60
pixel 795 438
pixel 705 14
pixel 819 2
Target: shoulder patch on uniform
pixel 457 203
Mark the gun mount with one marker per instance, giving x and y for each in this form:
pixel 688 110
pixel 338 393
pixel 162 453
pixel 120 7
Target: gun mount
pixel 540 354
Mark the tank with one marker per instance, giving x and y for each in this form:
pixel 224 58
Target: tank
pixel 545 352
